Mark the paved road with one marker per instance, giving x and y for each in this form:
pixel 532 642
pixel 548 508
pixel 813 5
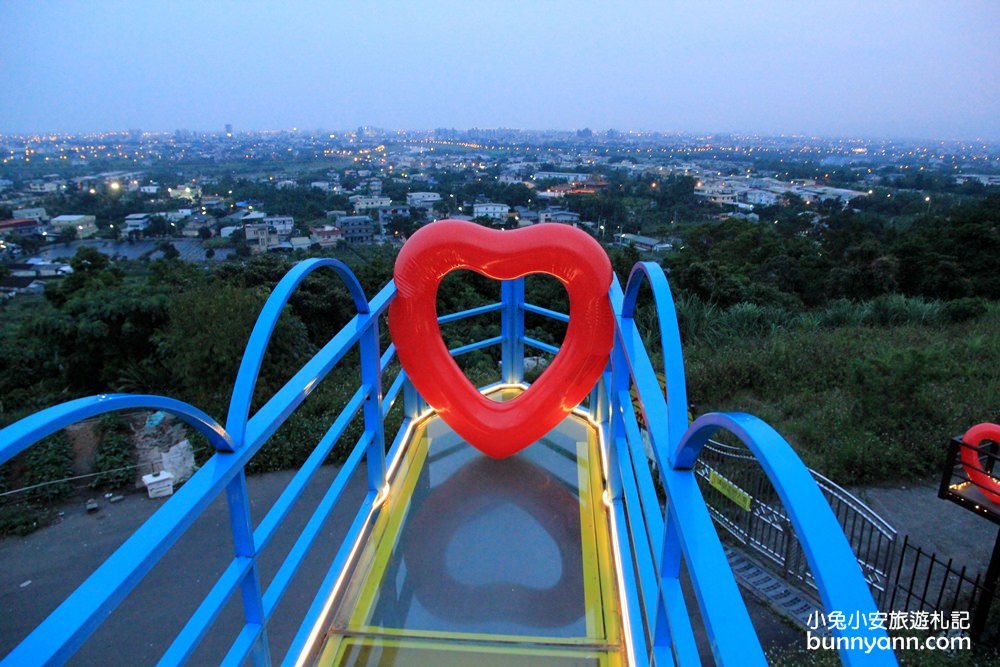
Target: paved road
pixel 935 525
pixel 38 571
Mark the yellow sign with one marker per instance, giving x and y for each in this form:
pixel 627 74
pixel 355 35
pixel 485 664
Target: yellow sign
pixel 730 490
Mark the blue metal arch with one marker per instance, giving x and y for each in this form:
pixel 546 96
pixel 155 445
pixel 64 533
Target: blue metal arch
pixel 833 564
pixel 260 337
pixel 22 434
pixel 670 339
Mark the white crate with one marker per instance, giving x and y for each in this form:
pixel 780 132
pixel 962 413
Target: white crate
pixel 159 484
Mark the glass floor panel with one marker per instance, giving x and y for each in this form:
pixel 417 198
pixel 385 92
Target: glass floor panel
pixel 502 562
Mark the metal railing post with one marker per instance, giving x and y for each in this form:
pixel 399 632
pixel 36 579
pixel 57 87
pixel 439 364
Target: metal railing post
pixel 512 331
pixel 412 404
pixel 371 376
pixel 244 546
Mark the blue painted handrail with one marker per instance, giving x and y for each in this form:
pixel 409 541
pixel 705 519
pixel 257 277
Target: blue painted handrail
pixel 661 540
pixel 653 541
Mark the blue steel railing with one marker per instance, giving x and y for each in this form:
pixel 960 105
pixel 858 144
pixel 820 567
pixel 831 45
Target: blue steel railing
pixel 652 543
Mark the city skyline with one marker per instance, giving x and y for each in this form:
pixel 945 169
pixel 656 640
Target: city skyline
pixel 911 70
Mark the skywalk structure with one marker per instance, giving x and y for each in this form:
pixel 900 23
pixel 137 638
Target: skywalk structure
pixel 571 551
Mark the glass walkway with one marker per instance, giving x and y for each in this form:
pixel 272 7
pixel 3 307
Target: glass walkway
pixel 481 561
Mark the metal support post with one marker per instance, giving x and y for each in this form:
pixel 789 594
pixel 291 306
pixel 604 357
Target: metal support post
pixel 371 376
pixel 512 331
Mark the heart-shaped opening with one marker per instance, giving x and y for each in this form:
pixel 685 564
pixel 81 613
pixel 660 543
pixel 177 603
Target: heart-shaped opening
pixel 464 289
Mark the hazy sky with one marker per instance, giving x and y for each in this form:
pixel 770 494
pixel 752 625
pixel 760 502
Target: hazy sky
pixel 914 68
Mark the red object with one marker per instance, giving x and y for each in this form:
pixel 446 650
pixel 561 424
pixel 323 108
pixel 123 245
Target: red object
pixel 500 429
pixel 970 459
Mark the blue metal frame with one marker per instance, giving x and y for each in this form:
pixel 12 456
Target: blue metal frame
pixel 653 542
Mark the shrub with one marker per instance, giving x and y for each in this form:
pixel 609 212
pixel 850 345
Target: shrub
pixel 49 463
pixel 115 459
pixel 963 310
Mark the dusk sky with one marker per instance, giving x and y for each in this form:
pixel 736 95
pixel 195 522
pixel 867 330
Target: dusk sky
pixel 870 68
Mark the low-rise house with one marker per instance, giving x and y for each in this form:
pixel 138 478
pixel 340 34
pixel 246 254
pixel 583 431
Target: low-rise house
pixel 258 237
pixel 191 192
pixel 38 268
pixel 386 213
pixel 16 227
pixel 85 225
pixel 137 222
pixel 176 216
pixel 422 199
pixel 12 285
pixel 525 216
pixel 644 243
pixel 283 224
pixel 38 214
pixel 559 215
pixel 763 197
pixel 212 201
pixel 490 210
pixel 326 236
pixel 357 228
pixel 568 177
pixel 361 203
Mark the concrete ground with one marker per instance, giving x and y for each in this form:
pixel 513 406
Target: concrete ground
pixel 935 525
pixel 38 571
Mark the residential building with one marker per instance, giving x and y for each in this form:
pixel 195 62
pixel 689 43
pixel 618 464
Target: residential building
pixel 326 236
pixel 365 203
pixel 357 228
pixel 136 222
pixel 422 199
pixel 386 213
pixel 259 237
pixel 490 210
pixel 20 227
pixel 265 232
pixel 38 268
pixel 38 214
pixel 85 225
pixel 763 198
pixel 185 192
pixel 644 243
pixel 283 225
pixel 12 285
pixel 525 216
pixel 212 201
pixel 560 176
pixel 176 216
pixel 559 215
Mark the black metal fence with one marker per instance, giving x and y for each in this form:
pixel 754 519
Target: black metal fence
pixel 742 500
pixel 922 582
pixel 907 582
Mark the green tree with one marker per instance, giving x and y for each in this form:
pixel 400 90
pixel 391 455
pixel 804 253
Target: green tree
pixel 66 235
pixel 168 249
pixel 205 339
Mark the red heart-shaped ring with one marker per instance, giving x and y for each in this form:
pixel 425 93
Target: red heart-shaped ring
pixel 500 429
pixel 974 437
